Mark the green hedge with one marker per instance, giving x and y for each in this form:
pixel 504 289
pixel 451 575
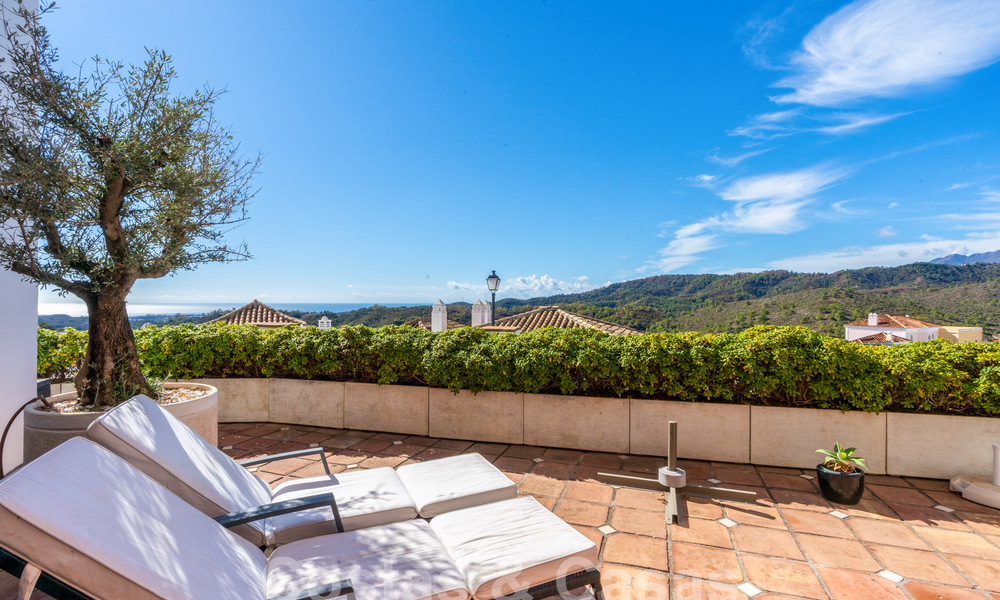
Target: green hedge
pixel 773 366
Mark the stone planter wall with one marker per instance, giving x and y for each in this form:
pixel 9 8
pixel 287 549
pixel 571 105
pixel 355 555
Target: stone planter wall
pixel 44 431
pixel 892 443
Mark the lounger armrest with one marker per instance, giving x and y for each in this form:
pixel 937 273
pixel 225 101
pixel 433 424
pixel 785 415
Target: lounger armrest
pixel 274 509
pixel 293 454
pixel 329 590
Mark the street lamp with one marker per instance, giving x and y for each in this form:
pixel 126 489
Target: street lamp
pixel 493 283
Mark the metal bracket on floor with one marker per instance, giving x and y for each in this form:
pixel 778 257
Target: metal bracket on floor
pixel 673 481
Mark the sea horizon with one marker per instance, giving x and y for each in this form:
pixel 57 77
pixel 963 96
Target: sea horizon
pixel 139 309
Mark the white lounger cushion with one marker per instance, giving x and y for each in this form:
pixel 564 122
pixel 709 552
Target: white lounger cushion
pixel 447 484
pixel 161 446
pixel 512 545
pixel 365 498
pixel 95 514
pixel 401 561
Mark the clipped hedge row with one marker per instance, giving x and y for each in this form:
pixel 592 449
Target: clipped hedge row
pixel 775 366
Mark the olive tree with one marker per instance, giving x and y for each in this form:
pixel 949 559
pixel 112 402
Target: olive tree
pixel 106 178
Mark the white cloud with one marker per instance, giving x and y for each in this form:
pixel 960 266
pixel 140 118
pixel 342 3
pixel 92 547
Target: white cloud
pixel 893 205
pixel 887 231
pixel 705 178
pixel 852 122
pixel 888 255
pixel 771 203
pixel 732 161
pixel 990 195
pixel 883 48
pixel 528 286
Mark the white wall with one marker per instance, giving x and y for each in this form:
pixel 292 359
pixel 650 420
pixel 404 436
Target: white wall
pixel 18 339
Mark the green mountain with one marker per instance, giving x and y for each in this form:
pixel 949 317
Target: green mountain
pixel 943 294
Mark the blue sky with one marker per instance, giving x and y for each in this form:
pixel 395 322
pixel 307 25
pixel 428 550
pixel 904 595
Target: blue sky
pixel 411 147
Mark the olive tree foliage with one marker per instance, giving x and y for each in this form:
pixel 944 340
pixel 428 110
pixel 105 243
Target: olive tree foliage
pixel 106 177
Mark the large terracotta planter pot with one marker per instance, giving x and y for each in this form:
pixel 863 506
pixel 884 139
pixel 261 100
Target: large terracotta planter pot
pixel 44 431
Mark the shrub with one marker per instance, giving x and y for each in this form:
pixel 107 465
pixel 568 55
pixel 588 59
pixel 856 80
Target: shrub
pixel 764 365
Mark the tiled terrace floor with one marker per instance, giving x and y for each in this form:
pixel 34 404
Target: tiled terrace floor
pixel 908 538
pixel 791 544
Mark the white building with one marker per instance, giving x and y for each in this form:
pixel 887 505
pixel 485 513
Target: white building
pixel 913 330
pixel 325 322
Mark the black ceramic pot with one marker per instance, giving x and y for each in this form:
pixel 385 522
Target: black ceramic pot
pixel 842 488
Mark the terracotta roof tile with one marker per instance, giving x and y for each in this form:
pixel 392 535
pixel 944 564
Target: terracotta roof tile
pixel 259 314
pixel 893 322
pixel 880 338
pixel 553 316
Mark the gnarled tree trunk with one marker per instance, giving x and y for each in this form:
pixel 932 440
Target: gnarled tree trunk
pixel 111 370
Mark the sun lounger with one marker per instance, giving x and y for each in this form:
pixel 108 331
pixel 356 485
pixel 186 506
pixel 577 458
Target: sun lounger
pixel 163 447
pixel 102 529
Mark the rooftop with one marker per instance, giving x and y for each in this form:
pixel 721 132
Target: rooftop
pixel 880 338
pixel 908 538
pixel 553 316
pixel 893 322
pixel 259 314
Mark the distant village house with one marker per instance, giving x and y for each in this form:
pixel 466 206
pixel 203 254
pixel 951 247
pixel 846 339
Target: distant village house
pixel 884 330
pixel 259 314
pixel 546 316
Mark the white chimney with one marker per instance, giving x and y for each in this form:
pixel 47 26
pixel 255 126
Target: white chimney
pixel 873 319
pixel 439 316
pixel 480 313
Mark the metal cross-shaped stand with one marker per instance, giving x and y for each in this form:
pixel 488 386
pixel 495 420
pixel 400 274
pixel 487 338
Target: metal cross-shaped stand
pixel 674 481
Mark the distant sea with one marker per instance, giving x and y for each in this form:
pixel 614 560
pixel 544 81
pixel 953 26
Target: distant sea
pixel 139 309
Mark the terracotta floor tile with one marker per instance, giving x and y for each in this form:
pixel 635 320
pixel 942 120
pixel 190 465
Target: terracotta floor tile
pixel 770 542
pixel 315 469
pixel 233 438
pixel 286 447
pixel 546 501
pixel 420 440
pixel 696 469
pixel 406 450
pixel 986 523
pixel 926 591
pixel 937 485
pixel 484 448
pixel 562 456
pixel 702 531
pixel 957 502
pixel 959 542
pixel 517 465
pixel 917 564
pixel 704 562
pixel 542 486
pixel 851 585
pixel 528 452
pixel 643 465
pixel 587 473
pixel 373 462
pixel 641 499
pixel 801 500
pixel 554 469
pixel 736 475
pixel 311 437
pixel 459 445
pixel 602 460
pixel 284 466
pixel 891 533
pixel 640 551
pixel 261 429
pixel 761 516
pixel 869 509
pixel 237 453
pixel 339 442
pixel 886 480
pixel 984 572
pixel 699 589
pixel 639 522
pixel 785 470
pixel 590 492
pixel 788 482
pixel 582 513
pixel 255 443
pixel 435 452
pixel 783 576
pixel 346 457
pixel 926 515
pixel 591 533
pixel 628 583
pixel 271 479
pixel 702 508
pixel 900 495
pixel 284 434
pixel 836 552
pixel 809 521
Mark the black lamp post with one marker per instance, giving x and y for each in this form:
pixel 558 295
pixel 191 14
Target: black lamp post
pixel 493 283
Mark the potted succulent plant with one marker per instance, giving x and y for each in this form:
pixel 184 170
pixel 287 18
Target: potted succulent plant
pixel 842 475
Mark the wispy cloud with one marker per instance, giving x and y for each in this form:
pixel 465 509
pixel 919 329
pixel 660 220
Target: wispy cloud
pixel 530 285
pixel 887 231
pixel 853 122
pixel 764 204
pixel 889 255
pixel 883 48
pixel 732 161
